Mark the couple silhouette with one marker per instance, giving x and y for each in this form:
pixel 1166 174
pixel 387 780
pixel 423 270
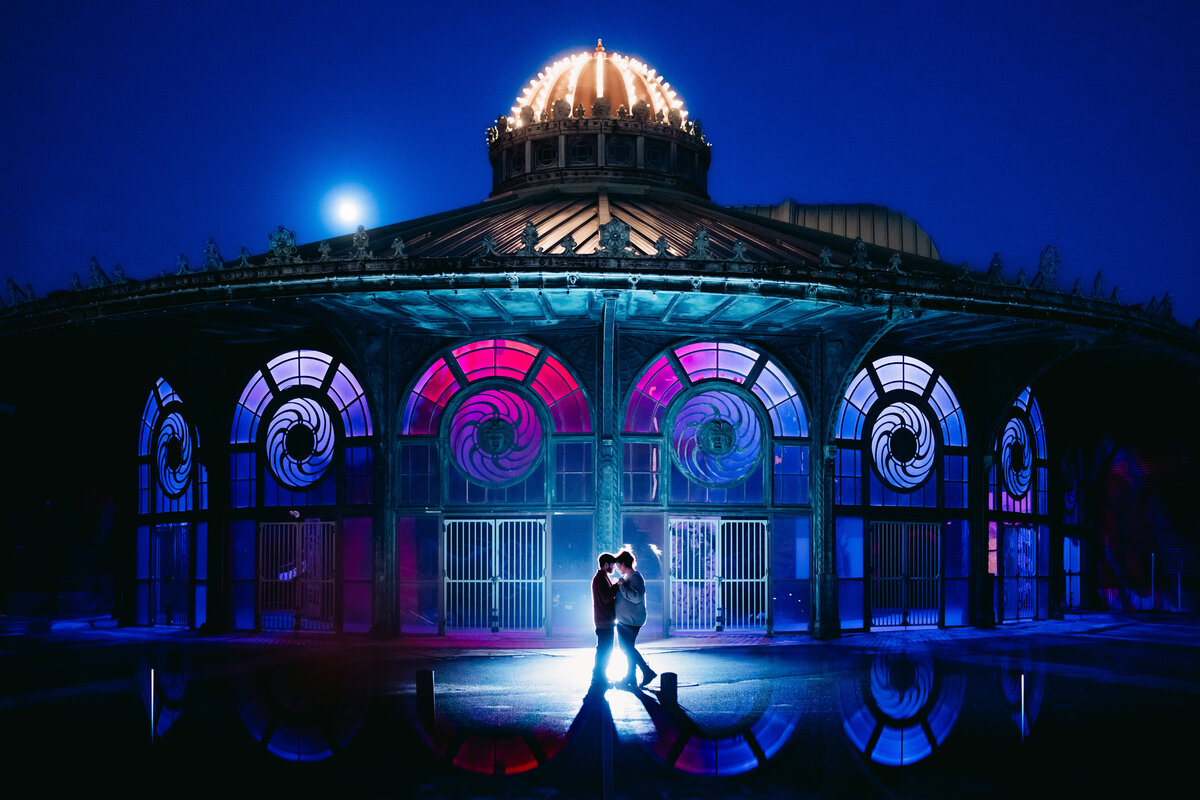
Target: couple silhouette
pixel 619 607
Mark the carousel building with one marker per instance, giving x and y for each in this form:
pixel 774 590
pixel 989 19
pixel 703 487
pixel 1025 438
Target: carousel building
pixel 798 416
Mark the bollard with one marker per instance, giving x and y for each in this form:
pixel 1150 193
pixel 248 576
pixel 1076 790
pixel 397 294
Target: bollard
pixel 425 704
pixel 668 693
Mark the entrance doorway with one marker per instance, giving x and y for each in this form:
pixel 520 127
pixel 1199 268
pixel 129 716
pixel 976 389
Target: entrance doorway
pixel 170 584
pixel 906 572
pixel 495 574
pixel 297 576
pixel 1018 575
pixel 718 574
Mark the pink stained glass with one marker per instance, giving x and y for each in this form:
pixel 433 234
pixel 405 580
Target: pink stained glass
pixel 654 391
pixel 570 414
pixel 726 360
pixel 492 358
pixel 553 382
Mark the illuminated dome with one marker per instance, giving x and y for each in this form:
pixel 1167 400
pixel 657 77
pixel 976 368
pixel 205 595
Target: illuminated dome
pixel 582 78
pixel 598 119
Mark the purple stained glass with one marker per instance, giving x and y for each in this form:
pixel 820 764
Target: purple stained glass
pixel 300 443
pixel 716 438
pixel 654 392
pixel 496 437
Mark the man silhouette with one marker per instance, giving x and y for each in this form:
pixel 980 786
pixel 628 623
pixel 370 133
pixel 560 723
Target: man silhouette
pixel 604 613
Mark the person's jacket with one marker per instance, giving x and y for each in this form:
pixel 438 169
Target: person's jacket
pixel 631 600
pixel 604 595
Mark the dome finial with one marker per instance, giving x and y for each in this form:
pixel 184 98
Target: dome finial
pixel 599 45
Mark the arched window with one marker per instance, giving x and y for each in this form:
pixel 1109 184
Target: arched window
pixel 287 446
pixel 715 447
pixel 301 440
pixel 497 437
pixel 901 490
pixel 172 541
pixel 1018 505
pixel 488 408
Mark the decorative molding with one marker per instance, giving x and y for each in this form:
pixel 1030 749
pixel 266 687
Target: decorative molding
pixel 662 248
pixel 529 236
pixel 700 243
pixel 614 238
pixel 212 257
pixel 859 260
pixel 181 265
pixel 826 255
pixel 244 259
pixel 739 252
pixel 398 249
pixel 325 249
pixel 359 241
pixel 283 247
pixel 568 245
pixel 489 246
pixel 995 273
pixel 96 276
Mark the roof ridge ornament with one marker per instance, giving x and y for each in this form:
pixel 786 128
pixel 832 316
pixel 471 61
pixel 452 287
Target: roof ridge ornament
pixel 529 240
pixel 360 240
pixel 662 248
pixel 860 260
pixel 739 252
pixel 568 245
pixel 96 275
pixel 995 273
pixel 1098 285
pixel 182 267
pixel 18 295
pixel 212 256
pixel 614 239
pixel 325 249
pixel 490 248
pixel 398 249
pixel 700 242
pixel 826 255
pixel 283 247
pixel 1048 267
pixel 244 259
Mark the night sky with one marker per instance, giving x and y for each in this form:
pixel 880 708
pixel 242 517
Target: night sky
pixel 133 132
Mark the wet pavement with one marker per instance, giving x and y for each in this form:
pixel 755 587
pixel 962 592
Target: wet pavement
pixel 1104 704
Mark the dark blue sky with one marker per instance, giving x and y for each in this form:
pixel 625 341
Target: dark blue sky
pixel 135 131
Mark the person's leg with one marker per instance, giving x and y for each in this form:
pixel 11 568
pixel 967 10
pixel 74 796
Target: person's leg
pixel 604 646
pixel 636 658
pixel 626 636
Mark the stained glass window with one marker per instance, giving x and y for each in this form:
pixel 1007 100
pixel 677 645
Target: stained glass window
pixel 706 406
pixel 509 402
pixel 288 411
pixel 1018 505
pixel 496 358
pixel 901 453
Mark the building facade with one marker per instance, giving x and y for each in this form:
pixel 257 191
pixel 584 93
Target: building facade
pixel 797 416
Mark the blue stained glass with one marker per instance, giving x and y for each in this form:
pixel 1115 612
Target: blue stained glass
pixel 300 442
pixel 201 551
pixel 149 420
pixel 1039 433
pixel 1023 399
pixel 716 438
pixel 903 446
pixel 496 437
pixel 254 398
pixel 299 367
pixel 791 473
pixel 166 394
pixel 903 372
pixel 173 455
pixel 849 534
pixel 1016 458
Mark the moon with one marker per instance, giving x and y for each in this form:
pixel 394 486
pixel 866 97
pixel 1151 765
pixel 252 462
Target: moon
pixel 348 211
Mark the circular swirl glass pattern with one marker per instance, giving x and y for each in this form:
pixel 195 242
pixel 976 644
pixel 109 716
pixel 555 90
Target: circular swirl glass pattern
pixel 1015 458
pixel 903 446
pixel 901 683
pixel 496 437
pixel 173 455
pixel 716 438
pixel 300 442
